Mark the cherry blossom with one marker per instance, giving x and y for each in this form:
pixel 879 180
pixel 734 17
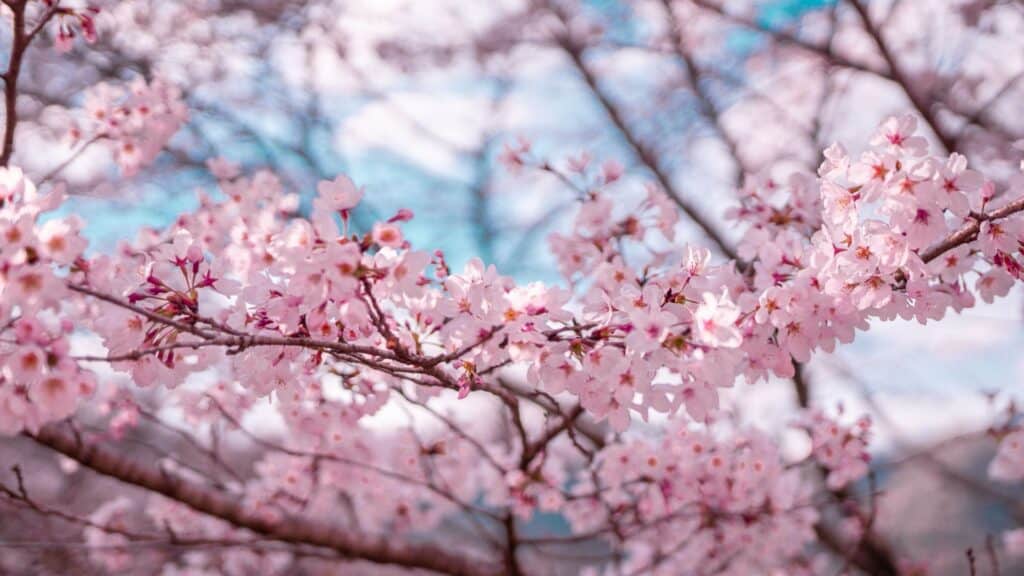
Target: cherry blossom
pixel 298 311
pixel 134 121
pixel 599 397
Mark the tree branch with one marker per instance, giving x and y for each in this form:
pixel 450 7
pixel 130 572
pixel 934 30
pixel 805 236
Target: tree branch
pixel 642 152
pixel 291 530
pixel 706 106
pixel 899 76
pixel 10 76
pixel 969 231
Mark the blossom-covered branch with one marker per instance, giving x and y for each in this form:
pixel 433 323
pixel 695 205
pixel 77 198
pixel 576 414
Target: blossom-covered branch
pixel 386 400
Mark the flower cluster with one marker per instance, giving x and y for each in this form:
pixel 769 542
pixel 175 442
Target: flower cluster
pixel 135 121
pixel 823 256
pixel 245 301
pixel 239 286
pixel 39 381
pixel 876 249
pixel 842 450
pixel 877 252
pixel 382 395
pixel 691 503
pixel 71 21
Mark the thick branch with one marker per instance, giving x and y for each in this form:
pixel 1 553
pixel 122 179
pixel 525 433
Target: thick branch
pixel 20 41
pixel 289 530
pixel 10 76
pixel 868 556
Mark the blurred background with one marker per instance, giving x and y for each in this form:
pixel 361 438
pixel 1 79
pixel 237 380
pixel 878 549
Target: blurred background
pixel 417 99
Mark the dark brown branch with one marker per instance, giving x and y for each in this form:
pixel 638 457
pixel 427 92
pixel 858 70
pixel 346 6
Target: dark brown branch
pixel 511 552
pixel 20 41
pixel 10 77
pixel 292 530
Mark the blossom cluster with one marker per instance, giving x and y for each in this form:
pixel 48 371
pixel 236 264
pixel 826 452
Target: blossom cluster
pixel 134 121
pixel 240 286
pixel 72 21
pixel 691 503
pixel 689 499
pixel 309 328
pixel 842 450
pixel 39 380
pixel 245 299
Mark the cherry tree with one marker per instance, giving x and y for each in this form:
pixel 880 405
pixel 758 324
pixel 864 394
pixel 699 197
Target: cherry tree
pixel 276 386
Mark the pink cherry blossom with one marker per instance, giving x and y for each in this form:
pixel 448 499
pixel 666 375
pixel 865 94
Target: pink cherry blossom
pixel 715 321
pixel 338 195
pixel 334 391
